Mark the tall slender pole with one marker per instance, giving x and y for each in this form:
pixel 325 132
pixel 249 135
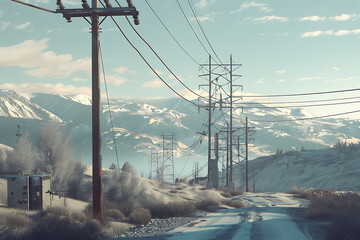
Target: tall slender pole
pixel 247 155
pixel 231 123
pixel 96 132
pixel 227 156
pixel 209 132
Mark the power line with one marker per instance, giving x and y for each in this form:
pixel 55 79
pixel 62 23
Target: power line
pixel 310 118
pixel 304 106
pixel 302 94
pixel 202 29
pixel 177 42
pixel 108 103
pixel 147 63
pixel 306 101
pixel 176 77
pixel 193 30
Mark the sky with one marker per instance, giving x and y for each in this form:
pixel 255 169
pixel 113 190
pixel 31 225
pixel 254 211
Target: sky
pixel 284 46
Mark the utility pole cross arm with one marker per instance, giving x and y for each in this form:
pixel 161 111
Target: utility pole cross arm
pixel 103 12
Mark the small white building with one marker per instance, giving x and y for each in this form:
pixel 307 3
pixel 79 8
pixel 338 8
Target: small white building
pixel 29 192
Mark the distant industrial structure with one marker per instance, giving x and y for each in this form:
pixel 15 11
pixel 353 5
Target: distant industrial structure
pixel 29 192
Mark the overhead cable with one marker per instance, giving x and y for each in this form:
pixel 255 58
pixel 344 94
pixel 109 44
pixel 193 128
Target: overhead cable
pixel 309 118
pixel 177 42
pixel 300 94
pixel 147 63
pixel 172 73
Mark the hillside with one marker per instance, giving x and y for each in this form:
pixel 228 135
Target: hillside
pixel 335 168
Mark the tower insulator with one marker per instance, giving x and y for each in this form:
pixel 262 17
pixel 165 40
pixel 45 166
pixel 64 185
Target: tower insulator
pixel 85 4
pixel 108 4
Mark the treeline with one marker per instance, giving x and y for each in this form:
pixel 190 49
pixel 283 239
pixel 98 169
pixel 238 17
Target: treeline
pixel 52 154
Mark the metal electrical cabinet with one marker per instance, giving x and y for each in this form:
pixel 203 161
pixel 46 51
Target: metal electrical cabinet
pixel 29 192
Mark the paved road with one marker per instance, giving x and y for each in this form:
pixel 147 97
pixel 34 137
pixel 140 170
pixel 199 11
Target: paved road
pixel 268 216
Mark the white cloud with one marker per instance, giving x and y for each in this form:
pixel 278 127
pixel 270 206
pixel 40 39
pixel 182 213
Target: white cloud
pixel 157 71
pixel 270 18
pixel 123 70
pixel 204 3
pixel 313 18
pixel 280 71
pixel 210 17
pixel 309 78
pixel 153 84
pixel 330 33
pixel 23 26
pixel 4 25
pixel 343 17
pixel 281 80
pixel 58 88
pixel 172 77
pixel 204 19
pixel 335 80
pixel 335 68
pixel 32 54
pixel 76 79
pixel 260 81
pixel 262 7
pixel 116 80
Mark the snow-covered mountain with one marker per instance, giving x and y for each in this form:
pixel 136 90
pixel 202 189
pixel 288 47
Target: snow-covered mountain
pixel 138 127
pixel 15 105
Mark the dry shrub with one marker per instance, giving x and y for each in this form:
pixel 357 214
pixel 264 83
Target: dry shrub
pixel 180 188
pixel 10 220
pixel 173 191
pixel 60 223
pixel 327 204
pixel 140 216
pixel 236 193
pixel 233 203
pixel 226 194
pixel 172 209
pixel 205 204
pixel 114 214
pixel 127 207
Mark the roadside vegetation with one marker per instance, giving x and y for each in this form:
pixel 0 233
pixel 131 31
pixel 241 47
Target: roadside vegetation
pixel 341 209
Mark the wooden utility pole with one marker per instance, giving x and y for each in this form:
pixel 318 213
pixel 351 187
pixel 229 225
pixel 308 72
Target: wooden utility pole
pixel 94 13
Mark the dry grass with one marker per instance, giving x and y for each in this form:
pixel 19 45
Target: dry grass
pixel 114 214
pixel 342 209
pixel 233 203
pixel 172 209
pixel 140 216
pixel 327 204
pixel 205 204
pixel 226 194
pixel 236 193
pixel 54 224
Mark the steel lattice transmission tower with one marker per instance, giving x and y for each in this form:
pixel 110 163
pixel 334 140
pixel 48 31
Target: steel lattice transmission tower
pixel 154 165
pixel 168 157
